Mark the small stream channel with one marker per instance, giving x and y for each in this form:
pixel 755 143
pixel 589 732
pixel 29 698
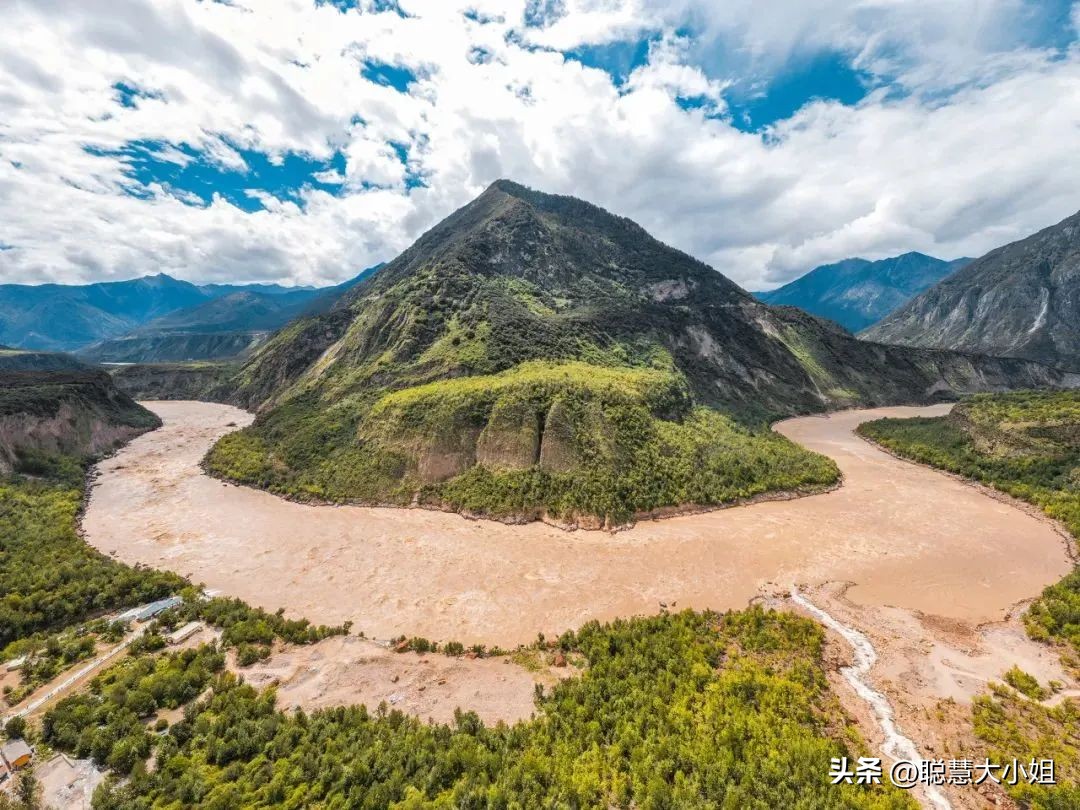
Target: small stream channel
pixel 896 745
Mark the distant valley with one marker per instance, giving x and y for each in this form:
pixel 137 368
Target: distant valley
pixel 154 318
pixel 1020 300
pixel 857 293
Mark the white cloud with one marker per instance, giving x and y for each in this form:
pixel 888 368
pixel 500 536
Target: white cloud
pixel 947 173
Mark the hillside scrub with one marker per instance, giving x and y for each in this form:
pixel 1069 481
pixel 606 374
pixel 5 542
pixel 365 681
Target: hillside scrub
pixel 1017 728
pixel 686 710
pixel 564 440
pixel 1026 444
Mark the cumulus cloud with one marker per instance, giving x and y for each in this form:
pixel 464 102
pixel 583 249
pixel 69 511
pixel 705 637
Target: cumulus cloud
pixel 967 141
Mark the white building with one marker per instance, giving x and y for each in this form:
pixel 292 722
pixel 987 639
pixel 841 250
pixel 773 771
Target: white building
pixel 183 633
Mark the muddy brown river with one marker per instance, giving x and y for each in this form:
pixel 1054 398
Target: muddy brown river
pixel 903 535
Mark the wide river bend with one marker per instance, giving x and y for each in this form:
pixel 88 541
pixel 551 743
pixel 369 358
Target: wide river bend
pixel 904 535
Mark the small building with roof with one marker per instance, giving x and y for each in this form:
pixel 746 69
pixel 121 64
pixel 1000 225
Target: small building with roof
pixel 184 633
pixel 154 608
pixel 16 754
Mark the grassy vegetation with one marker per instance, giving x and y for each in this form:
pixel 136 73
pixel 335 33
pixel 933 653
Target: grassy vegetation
pixel 688 710
pixel 1026 444
pixel 1015 727
pixel 566 439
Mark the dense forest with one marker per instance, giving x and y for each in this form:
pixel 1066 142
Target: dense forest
pixel 50 578
pixel 673 711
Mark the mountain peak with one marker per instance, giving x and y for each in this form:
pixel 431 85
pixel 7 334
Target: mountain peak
pixel 1016 301
pixel 856 292
pixel 558 243
pixel 510 187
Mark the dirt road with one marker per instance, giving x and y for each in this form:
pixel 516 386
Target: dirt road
pixel 904 535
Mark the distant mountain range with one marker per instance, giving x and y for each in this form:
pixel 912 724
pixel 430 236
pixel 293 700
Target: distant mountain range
pixel 61 317
pixel 857 293
pixel 1021 300
pixel 154 318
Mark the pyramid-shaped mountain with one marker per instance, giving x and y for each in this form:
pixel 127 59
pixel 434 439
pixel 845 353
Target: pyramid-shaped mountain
pixel 534 354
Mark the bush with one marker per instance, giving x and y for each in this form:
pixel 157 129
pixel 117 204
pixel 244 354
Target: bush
pixel 49 577
pixel 15 728
pixel 1025 683
pixel 248 654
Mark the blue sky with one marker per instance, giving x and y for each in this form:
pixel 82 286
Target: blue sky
pixel 182 168
pixel 294 140
pixel 752 102
pixel 822 76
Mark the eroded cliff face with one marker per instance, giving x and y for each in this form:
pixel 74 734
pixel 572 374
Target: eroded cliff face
pixel 147 381
pixel 71 431
pixel 78 413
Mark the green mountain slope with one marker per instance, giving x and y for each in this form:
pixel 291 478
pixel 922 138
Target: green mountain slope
pixel 535 355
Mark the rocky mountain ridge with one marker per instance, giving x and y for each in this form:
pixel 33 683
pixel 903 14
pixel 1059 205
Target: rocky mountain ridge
pixel 1020 300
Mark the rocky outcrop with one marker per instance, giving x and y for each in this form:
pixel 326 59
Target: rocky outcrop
pixel 511 438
